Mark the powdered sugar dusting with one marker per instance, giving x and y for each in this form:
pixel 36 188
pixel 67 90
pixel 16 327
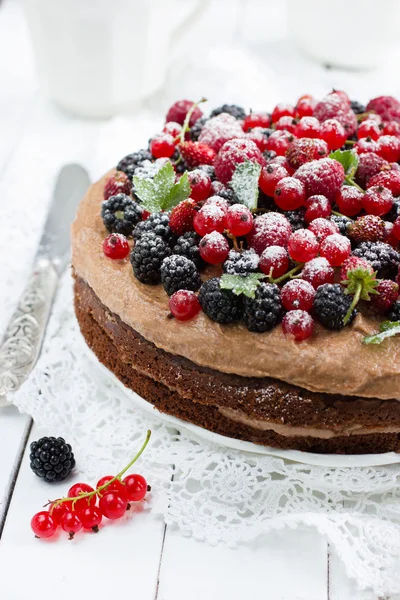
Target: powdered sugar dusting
pixel 219 130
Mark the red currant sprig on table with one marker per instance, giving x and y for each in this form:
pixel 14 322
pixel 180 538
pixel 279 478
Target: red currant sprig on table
pixel 79 509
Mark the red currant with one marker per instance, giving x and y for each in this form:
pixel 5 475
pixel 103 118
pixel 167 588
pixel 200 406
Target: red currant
pixel 270 177
pixel 396 228
pixel 279 142
pixel 214 248
pixel 71 523
pixel 333 133
pixel 321 228
pixel 299 324
pixel 392 128
pixel 286 124
pixel 274 261
pixel 77 490
pixel 297 294
pixel 162 146
pixel 366 145
pixel 270 229
pixel 209 218
pixel 256 120
pixel 303 245
pixel 317 272
pixel 305 107
pixel 91 518
pixel 173 129
pixel 200 184
pixel 136 487
pixel 239 220
pixel 370 129
pixel 184 305
pixel 336 248
pixel 282 110
pixel 290 193
pixel 259 137
pixel 116 246
pixel 308 127
pixel 349 200
pixel 57 511
pixel 218 201
pixel 43 524
pixel 388 147
pixel 115 486
pixel 112 505
pixel 318 207
pixel 377 200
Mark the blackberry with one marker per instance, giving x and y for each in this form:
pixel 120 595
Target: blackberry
pixel 208 170
pixel 296 218
pixel 394 312
pixel 342 222
pixel 179 273
pixel 218 304
pixel 241 263
pixel 147 257
pixel 121 214
pixel 264 311
pixel 228 194
pixel 232 109
pixel 51 458
pixel 357 107
pixel 196 129
pixel 394 211
pixel 131 162
pixel 188 245
pixel 269 155
pixel 331 305
pixel 181 166
pixel 157 223
pixel 382 257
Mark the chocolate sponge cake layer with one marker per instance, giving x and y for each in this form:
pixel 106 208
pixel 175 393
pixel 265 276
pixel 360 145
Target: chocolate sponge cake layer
pixel 260 410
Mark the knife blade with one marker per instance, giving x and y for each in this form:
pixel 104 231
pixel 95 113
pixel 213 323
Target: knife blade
pixel 24 335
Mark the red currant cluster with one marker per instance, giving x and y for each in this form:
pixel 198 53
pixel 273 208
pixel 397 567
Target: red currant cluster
pixel 84 507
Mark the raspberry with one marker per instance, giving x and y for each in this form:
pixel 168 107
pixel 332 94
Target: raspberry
pixel 377 200
pixel 392 128
pixel 120 214
pixel 305 150
pixel 218 130
pixel 388 293
pixel 200 184
pixel 196 154
pixel 349 200
pixel 282 110
pixel 369 128
pixel 116 246
pixel 318 207
pixel 387 179
pixel 366 145
pixel 184 305
pixel 321 228
pixel 270 229
pixel 297 294
pixel 264 311
pixel 162 146
pixel 396 228
pixel 330 106
pixel 172 128
pixel 304 107
pixel 367 228
pixel 299 324
pixel 118 184
pixel 147 257
pixel 239 220
pixel 214 248
pixel 220 305
pixel 179 273
pixel 289 193
pixel 331 305
pixel 209 218
pixel 317 272
pixel 323 176
pixel 256 120
pixel 335 248
pixel 286 124
pixel 386 106
pixel 274 261
pixel 351 263
pixel 270 177
pixel 234 152
pixel 179 110
pixel 389 148
pixel 303 245
pixel 369 164
pixel 241 263
pixel 232 109
pixel 308 127
pixel 181 217
pixel 259 136
pixel 333 133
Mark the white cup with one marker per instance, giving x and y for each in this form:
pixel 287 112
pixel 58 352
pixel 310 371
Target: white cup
pixel 97 58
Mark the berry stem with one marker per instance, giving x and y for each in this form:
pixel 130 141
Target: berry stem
pixel 356 299
pixel 351 181
pixel 338 214
pixel 185 126
pixel 287 275
pixel 350 142
pixel 362 116
pixel 234 240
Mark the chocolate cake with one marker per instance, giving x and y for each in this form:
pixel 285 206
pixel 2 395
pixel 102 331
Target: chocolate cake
pixel 199 319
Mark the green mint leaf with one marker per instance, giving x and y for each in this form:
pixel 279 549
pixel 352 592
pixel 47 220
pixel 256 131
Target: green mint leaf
pixel 144 189
pixel 239 284
pixel 349 160
pixel 244 183
pixel 387 329
pixel 180 191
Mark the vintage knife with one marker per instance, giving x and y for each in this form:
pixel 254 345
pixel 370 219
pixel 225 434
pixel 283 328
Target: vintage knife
pixel 24 335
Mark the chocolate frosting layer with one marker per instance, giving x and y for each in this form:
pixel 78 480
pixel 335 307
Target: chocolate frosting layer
pixel 331 362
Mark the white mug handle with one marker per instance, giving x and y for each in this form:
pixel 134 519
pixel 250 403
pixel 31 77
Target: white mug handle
pixel 188 21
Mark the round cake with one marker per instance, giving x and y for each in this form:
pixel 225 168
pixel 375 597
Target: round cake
pixel 242 272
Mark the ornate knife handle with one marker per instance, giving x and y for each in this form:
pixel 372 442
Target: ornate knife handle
pixel 23 339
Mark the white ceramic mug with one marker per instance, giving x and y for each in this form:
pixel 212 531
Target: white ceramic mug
pixel 97 58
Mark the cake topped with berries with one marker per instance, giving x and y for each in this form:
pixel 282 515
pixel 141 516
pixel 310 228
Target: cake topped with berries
pixel 242 272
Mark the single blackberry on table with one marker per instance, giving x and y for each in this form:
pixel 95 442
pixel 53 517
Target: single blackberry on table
pixel 296 218
pixel 232 109
pixel 342 222
pixel 264 311
pixel 394 312
pixel 131 162
pixel 157 223
pixel 241 263
pixel 331 305
pixel 147 257
pixel 51 458
pixel 394 211
pixel 121 214
pixel 179 273
pixel 196 129
pixel 382 257
pixel 218 304
pixel 188 245
pixel 357 107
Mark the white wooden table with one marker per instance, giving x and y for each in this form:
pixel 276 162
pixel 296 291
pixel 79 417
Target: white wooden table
pixel 141 558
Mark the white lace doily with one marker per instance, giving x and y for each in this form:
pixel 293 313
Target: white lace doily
pixel 214 493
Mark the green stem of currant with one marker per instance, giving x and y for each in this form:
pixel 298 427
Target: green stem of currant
pixel 185 126
pixel 362 116
pixel 288 275
pixel 338 214
pixel 350 142
pixel 106 485
pixel 351 181
pixel 356 299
